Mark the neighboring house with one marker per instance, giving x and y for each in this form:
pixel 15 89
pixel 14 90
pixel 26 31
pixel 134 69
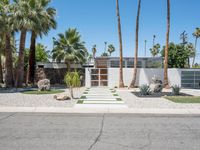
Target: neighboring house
pixel 104 71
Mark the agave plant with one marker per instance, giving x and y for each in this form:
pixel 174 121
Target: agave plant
pixel 176 90
pixel 145 90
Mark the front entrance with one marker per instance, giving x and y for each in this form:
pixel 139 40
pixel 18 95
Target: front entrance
pixel 99 77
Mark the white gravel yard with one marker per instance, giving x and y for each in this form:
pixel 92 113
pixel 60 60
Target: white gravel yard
pixel 17 99
pixel 156 103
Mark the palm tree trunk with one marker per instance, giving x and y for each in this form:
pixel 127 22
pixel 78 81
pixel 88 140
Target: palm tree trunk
pixel 9 80
pixel 20 68
pixel 193 62
pixel 68 65
pixel 1 72
pixel 166 83
pixel 31 66
pixel 71 92
pixel 136 46
pixel 121 82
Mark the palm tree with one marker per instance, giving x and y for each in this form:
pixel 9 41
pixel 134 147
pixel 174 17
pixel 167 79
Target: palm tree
pixel 136 46
pixel 6 23
pixel 111 49
pixel 196 34
pixel 2 51
pixel 155 50
pixel 24 18
pixel 69 48
pixel 121 82
pixel 94 51
pixel 166 83
pixel 45 21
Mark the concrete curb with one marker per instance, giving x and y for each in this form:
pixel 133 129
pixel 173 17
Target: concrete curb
pixel 100 110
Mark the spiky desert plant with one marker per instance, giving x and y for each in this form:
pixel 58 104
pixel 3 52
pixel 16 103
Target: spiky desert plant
pixel 145 90
pixel 176 90
pixel 72 79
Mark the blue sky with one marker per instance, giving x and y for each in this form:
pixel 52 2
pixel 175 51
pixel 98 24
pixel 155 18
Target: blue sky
pixel 96 21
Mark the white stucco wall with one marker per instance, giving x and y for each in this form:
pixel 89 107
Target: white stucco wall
pixel 144 76
pixel 87 77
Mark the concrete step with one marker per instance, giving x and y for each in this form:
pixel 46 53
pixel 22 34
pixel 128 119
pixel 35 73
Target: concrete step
pixel 99 99
pixel 103 102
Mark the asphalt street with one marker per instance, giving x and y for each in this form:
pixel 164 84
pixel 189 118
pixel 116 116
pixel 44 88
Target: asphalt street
pixel 44 131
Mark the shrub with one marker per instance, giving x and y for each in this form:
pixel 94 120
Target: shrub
pixel 176 89
pixel 72 79
pixel 145 90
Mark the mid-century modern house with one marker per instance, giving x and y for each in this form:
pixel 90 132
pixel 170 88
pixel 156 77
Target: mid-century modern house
pixel 104 71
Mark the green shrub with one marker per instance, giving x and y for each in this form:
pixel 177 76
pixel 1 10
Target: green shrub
pixel 72 80
pixel 145 90
pixel 176 90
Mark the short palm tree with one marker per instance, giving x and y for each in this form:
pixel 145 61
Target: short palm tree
pixel 69 48
pixel 111 49
pixel 136 46
pixel 196 34
pixel 45 20
pixel 6 24
pixel 166 83
pixel 121 81
pixel 72 79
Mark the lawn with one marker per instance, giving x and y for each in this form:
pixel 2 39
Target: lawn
pixel 183 99
pixel 35 92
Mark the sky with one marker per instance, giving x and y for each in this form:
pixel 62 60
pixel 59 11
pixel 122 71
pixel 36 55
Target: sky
pixel 97 22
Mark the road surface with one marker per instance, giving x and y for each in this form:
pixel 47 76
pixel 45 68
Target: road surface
pixel 29 131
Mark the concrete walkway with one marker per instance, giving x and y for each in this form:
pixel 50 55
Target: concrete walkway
pixel 100 98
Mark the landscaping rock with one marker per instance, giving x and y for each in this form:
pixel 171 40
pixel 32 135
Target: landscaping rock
pixel 156 85
pixel 44 85
pixel 61 97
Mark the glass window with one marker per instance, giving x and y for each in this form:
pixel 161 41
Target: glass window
pixel 95 71
pixel 130 64
pixel 115 63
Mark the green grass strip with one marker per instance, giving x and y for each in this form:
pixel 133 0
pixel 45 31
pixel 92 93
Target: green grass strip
pixel 183 99
pixel 80 102
pixel 118 99
pixel 35 92
pixel 83 97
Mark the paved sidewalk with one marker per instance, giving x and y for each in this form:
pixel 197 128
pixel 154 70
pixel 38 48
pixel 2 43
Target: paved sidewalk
pixel 97 110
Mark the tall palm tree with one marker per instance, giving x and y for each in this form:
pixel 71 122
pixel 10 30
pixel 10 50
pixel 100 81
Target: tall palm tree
pixel 136 46
pixel 45 21
pixel 94 51
pixel 2 50
pixel 24 21
pixel 6 23
pixel 121 82
pixel 196 34
pixel 166 83
pixel 69 48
